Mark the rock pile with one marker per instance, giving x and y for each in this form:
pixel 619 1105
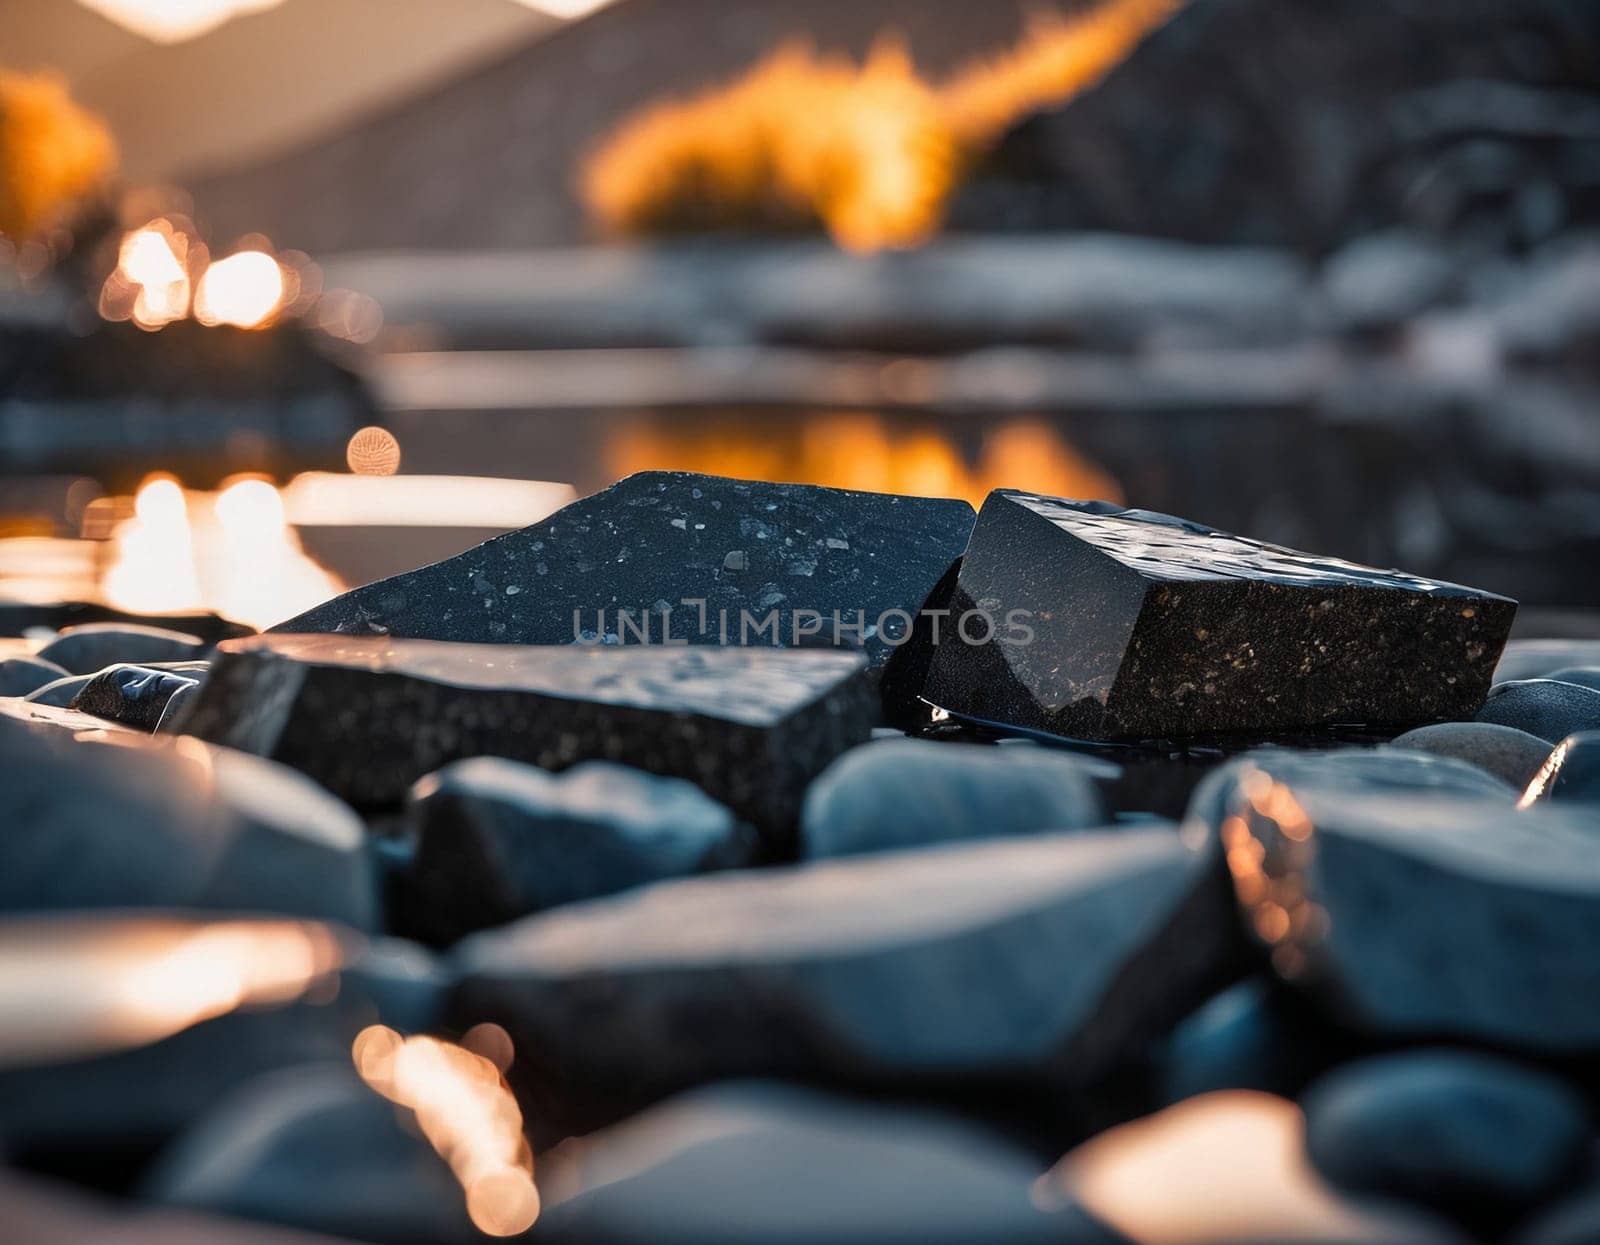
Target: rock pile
pixel 713 955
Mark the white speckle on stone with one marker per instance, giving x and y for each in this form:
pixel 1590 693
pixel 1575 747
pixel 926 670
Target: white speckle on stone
pixel 735 561
pixel 833 542
pixel 681 524
pixel 512 590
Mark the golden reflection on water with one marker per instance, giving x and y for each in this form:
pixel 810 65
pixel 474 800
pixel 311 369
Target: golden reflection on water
pixel 865 451
pixel 466 1112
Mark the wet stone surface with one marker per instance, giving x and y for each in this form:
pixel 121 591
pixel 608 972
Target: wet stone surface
pixel 135 696
pixel 754 1163
pixel 788 556
pixel 366 716
pixel 497 839
pixel 1546 707
pixel 1138 625
pixel 1509 754
pixel 1465 1133
pixel 311 1147
pixel 900 968
pixel 1413 914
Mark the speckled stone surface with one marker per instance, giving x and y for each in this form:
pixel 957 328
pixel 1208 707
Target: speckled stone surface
pixel 656 539
pixel 1422 914
pixel 135 696
pixel 368 716
pixel 1040 962
pixel 1148 626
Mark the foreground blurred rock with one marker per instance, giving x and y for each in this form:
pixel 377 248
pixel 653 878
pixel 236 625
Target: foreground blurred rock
pixel 1042 962
pixel 367 717
pixel 312 1147
pixel 772 1164
pixel 1225 1169
pixel 1413 914
pixel 90 647
pixel 21 675
pixel 45 1213
pixel 143 1023
pixel 895 793
pixel 496 840
pixel 118 823
pixel 1106 623
pixel 1470 1135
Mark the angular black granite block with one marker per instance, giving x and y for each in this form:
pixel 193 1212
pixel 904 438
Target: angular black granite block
pixel 1034 964
pixel 367 716
pixel 1420 914
pixel 726 561
pixel 1089 621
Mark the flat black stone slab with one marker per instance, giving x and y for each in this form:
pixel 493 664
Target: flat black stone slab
pixel 732 549
pixel 367 716
pixel 1040 962
pixel 1125 624
pixel 1420 914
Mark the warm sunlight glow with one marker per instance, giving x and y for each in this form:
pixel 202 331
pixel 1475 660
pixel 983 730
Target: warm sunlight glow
pixel 466 1112
pixel 859 450
pixel 232 552
pixel 53 153
pixel 171 21
pixel 152 568
pixel 373 451
pixel 245 290
pixel 71 987
pixel 150 284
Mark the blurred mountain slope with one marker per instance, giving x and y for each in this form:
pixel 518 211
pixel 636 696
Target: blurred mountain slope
pixel 491 159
